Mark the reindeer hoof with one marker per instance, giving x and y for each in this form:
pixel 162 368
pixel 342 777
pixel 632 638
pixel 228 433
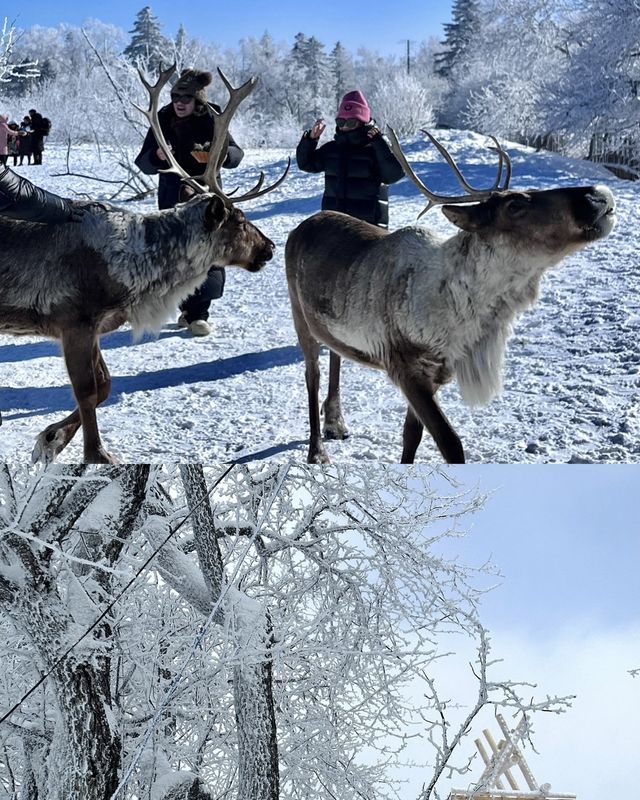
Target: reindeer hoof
pixel 337 430
pixel 48 444
pixel 100 457
pixel 318 457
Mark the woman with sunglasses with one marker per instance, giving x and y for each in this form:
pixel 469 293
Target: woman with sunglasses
pixel 357 164
pixel 187 123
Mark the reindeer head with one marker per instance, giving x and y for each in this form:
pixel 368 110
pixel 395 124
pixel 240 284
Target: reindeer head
pixel 238 241
pixel 557 221
pixel 553 221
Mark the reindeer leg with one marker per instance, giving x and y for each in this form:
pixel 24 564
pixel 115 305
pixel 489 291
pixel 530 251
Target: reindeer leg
pixel 426 409
pixel 87 372
pixel 334 425
pixel 317 453
pixel 411 437
pixel 311 350
pixel 54 438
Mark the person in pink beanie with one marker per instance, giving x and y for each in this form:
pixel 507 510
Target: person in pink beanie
pixel 357 164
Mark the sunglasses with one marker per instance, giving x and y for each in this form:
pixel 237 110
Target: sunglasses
pixel 348 124
pixel 185 99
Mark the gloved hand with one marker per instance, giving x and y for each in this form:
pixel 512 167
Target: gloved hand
pixel 372 130
pixel 317 130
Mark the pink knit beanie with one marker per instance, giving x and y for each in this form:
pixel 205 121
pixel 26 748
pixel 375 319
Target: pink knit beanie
pixel 354 106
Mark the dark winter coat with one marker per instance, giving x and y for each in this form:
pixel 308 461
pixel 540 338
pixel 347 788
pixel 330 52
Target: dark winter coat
pixel 20 199
pixel 356 169
pixel 182 134
pixel 38 133
pixel 24 142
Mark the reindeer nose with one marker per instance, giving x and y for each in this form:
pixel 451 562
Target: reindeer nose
pixel 601 200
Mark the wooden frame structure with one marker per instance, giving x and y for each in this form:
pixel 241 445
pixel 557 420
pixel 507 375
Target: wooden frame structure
pixel 504 757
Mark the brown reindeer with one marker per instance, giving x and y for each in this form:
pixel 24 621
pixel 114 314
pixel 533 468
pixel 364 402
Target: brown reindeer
pixel 77 281
pixel 425 308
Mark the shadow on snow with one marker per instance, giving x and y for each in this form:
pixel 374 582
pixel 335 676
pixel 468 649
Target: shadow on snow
pixel 45 400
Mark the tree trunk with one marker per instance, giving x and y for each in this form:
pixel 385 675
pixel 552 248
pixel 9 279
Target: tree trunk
pixel 257 733
pixel 87 765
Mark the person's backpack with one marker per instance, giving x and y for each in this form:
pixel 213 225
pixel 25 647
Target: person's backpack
pixel 45 127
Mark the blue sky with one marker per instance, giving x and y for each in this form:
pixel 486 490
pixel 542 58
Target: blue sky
pixel 566 539
pixel 378 26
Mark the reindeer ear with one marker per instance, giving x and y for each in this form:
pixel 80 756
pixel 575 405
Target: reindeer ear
pixel 469 218
pixel 215 213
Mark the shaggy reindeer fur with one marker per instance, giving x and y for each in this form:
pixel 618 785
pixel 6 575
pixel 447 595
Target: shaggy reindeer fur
pixel 76 281
pixel 139 265
pixel 425 308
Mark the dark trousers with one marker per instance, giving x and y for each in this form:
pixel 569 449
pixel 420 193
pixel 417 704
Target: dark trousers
pixel 196 306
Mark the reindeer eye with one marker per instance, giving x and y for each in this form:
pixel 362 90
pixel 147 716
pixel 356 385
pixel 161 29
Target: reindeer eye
pixel 518 205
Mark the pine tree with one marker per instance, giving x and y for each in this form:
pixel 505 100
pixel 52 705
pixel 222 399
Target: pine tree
pixel 318 74
pixel 342 70
pixel 309 73
pixel 458 35
pixel 181 38
pixel 148 46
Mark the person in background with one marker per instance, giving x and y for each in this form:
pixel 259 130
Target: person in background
pixel 187 124
pixel 357 164
pixel 13 145
pixel 40 129
pixel 5 134
pixel 25 140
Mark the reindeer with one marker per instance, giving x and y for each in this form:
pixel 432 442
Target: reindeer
pixel 425 308
pixel 78 281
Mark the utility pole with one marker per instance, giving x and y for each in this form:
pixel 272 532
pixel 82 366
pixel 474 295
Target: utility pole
pixel 408 43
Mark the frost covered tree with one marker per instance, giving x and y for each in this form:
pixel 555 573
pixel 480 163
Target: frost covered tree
pixel 308 79
pixel 10 69
pixel 403 101
pixel 148 47
pixel 601 113
pixel 265 632
pixel 55 570
pixel 264 58
pixel 342 72
pixel 508 89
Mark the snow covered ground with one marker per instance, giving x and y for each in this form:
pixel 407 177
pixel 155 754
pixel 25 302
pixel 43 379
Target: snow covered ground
pixel 572 380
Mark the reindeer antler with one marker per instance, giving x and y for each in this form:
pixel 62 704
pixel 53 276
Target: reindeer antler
pixel 219 143
pixel 473 195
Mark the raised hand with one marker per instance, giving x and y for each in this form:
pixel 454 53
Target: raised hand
pixel 317 130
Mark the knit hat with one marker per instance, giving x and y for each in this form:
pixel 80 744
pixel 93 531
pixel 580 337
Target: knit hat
pixel 193 82
pixel 354 106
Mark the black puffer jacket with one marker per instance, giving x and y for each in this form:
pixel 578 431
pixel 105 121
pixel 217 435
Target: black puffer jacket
pixel 356 169
pixel 20 199
pixel 182 134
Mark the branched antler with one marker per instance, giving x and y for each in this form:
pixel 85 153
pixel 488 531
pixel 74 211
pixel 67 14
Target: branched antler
pixel 219 143
pixel 472 195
